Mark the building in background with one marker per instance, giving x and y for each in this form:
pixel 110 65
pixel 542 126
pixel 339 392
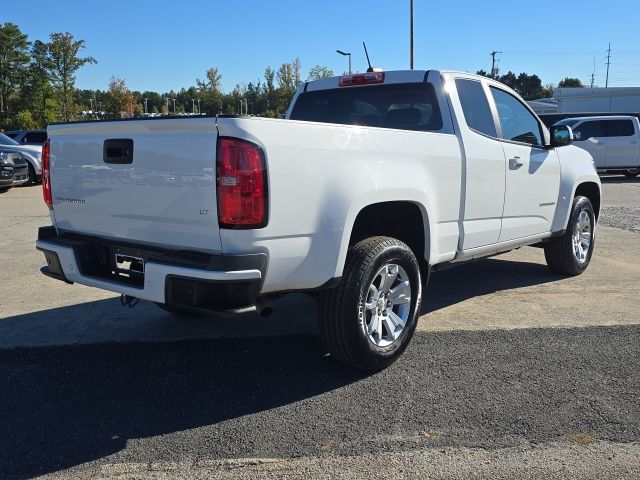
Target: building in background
pixel 588 100
pixel 612 99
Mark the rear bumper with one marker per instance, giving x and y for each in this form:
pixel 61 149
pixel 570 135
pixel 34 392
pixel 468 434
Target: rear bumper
pixel 186 279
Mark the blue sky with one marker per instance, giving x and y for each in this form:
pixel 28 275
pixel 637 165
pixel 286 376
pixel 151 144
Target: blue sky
pixel 162 45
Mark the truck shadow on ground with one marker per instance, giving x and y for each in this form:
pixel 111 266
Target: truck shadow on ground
pixel 482 277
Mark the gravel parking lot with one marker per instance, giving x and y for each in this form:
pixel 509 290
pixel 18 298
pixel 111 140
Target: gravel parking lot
pixel 514 372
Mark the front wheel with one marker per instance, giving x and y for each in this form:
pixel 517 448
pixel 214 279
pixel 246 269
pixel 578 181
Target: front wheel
pixel 368 320
pixel 571 253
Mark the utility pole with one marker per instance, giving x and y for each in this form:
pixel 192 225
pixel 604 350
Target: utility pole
pixel 410 34
pixel 193 105
pixel 145 105
pixel 606 83
pixel 593 74
pixel 494 71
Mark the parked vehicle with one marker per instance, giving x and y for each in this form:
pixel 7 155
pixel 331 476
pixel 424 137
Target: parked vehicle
pixel 373 181
pixel 13 169
pixel 31 153
pixel 612 141
pixel 550 119
pixel 28 137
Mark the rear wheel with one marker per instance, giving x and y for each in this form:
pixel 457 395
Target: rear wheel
pixel 632 173
pixel 368 320
pixel 571 253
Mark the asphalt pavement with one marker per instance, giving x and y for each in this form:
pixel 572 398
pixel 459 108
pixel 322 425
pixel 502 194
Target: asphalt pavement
pixel 514 372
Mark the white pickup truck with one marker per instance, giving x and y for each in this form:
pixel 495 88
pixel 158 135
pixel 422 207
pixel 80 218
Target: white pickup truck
pixel 372 181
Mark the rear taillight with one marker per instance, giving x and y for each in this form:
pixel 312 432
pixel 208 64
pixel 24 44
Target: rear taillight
pixel 361 79
pixel 242 184
pixel 46 174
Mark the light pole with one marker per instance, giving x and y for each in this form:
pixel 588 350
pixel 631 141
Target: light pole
pixel 411 34
pixel 145 105
pixel 346 54
pixel 166 104
pixel 174 105
pixel 193 105
pixel 198 106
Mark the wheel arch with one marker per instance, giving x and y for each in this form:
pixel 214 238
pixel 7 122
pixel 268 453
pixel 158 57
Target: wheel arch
pixel 591 190
pixel 406 220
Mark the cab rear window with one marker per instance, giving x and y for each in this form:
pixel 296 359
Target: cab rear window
pixel 403 106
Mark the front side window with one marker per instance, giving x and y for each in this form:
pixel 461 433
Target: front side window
pixel 517 122
pixel 587 130
pixel 475 107
pixel 620 128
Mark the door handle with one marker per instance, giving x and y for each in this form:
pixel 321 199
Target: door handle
pixel 515 163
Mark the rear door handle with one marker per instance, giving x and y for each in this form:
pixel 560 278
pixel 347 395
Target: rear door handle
pixel 515 163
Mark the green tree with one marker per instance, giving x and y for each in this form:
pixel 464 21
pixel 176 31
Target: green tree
pixel 39 90
pixel 24 121
pixel 120 101
pixel 14 59
pixel 66 62
pixel 570 82
pixel 209 90
pixel 319 72
pixel 529 86
pixel 509 79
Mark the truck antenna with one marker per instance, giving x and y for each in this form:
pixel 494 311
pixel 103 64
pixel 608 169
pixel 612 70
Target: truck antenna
pixel 370 69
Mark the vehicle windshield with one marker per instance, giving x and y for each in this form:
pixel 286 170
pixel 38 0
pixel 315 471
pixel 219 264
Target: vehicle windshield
pixel 4 140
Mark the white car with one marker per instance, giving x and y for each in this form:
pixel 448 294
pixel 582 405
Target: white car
pixel 31 153
pixel 612 141
pixel 372 181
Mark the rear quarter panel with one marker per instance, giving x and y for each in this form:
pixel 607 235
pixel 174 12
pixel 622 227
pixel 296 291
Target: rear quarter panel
pixel 320 177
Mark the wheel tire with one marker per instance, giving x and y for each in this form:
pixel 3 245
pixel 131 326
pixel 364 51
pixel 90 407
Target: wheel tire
pixel 183 312
pixel 560 252
pixel 342 313
pixel 32 177
pixel 4 189
pixel 632 173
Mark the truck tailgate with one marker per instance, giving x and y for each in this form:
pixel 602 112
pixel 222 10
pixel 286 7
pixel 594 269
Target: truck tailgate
pixel 164 192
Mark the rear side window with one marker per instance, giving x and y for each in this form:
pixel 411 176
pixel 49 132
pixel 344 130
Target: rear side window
pixel 587 130
pixel 620 128
pixel 406 106
pixel 475 106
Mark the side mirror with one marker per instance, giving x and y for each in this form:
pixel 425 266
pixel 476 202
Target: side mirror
pixel 561 136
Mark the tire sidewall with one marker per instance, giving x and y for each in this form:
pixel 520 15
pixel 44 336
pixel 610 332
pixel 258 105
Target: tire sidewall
pixel 384 355
pixel 583 204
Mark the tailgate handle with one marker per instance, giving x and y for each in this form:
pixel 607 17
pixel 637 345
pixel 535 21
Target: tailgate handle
pixel 118 150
